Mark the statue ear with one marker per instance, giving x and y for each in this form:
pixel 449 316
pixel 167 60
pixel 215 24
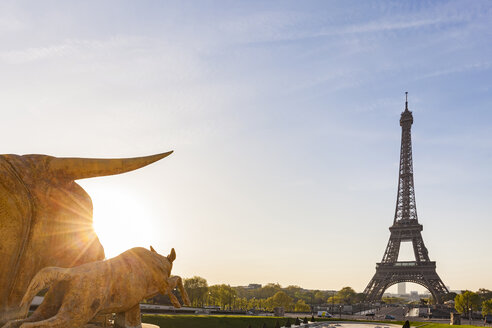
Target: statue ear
pixel 172 256
pixel 152 249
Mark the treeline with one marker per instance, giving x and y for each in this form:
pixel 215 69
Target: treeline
pixel 464 303
pixel 470 301
pixel 295 298
pixel 266 298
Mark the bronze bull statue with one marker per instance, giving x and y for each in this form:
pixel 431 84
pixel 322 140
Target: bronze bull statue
pixel 116 286
pixel 46 218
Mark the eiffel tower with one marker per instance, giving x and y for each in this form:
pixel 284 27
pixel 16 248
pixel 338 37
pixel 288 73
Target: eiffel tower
pixel 405 228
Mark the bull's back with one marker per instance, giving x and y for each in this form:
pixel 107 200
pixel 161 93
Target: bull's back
pixel 130 280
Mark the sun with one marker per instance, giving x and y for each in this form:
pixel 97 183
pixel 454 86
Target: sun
pixel 122 220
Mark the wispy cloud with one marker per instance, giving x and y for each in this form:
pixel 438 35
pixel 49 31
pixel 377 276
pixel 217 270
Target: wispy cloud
pixel 263 26
pixel 482 66
pixel 66 48
pixel 383 25
pixel 292 26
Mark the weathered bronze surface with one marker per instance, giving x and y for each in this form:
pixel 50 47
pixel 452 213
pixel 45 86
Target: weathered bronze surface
pixel 46 218
pixel 116 286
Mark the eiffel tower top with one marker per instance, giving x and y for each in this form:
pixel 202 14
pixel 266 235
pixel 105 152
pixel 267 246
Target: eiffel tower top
pixel 406 115
pixel 406 208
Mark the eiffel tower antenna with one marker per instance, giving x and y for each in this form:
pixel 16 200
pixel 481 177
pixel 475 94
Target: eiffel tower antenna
pixel 405 228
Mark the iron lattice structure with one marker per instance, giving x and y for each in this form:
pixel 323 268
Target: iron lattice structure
pixel 405 228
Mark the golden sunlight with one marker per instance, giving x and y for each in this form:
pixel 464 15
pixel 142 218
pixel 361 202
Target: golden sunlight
pixel 122 221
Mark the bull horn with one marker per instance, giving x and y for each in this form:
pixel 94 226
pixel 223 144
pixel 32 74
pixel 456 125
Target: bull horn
pixel 80 168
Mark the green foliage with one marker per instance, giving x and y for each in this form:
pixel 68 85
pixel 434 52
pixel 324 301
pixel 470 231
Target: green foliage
pixel 280 299
pixel 277 324
pixel 449 296
pixel 257 297
pixel 465 301
pixel 394 300
pixel 288 324
pixel 268 290
pixel 487 307
pixel 197 289
pixel 294 298
pixel 427 301
pixel 223 296
pixel 292 290
pixel 346 295
pixel 484 294
pixel 301 306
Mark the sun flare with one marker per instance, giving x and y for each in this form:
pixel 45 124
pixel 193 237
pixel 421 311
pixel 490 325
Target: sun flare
pixel 122 220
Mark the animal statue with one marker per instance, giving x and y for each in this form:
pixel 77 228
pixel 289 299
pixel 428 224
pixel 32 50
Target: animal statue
pixel 46 218
pixel 116 286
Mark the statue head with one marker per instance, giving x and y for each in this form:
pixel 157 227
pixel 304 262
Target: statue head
pixel 165 262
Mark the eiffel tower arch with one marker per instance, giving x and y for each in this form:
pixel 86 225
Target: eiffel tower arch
pixel 405 228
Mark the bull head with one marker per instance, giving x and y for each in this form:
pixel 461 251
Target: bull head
pixel 46 218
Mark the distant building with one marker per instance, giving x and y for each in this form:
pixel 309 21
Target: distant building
pixel 402 288
pixel 251 286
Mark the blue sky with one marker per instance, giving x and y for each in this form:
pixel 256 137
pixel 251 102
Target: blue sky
pixel 284 120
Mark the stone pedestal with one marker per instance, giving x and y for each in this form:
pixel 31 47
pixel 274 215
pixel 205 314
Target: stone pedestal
pixel 278 312
pixel 455 319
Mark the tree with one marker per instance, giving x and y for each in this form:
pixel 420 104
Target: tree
pixel 359 298
pixel 223 295
pixel 484 294
pixel 448 297
pixel 301 306
pixel 281 299
pixel 242 303
pixel 292 290
pixel 267 291
pixel 487 307
pixel 346 295
pixel 197 289
pixel 253 303
pixel 319 297
pixel 394 300
pixel 428 301
pixel 465 301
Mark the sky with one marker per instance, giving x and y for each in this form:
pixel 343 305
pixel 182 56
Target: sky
pixel 284 121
